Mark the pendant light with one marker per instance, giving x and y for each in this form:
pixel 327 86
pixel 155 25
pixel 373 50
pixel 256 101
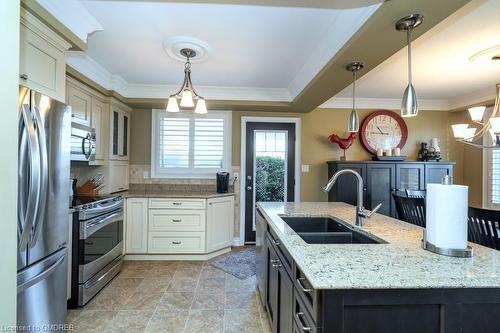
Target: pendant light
pixel 186 93
pixel 409 104
pixel 353 124
pixel 489 126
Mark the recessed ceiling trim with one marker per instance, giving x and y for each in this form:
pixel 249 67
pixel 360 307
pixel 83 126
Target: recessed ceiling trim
pixel 383 103
pixel 88 67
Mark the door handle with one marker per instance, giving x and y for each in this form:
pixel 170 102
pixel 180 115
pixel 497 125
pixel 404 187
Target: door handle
pixel 249 188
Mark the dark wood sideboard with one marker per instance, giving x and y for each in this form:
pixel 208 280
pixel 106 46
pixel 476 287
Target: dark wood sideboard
pixel 381 179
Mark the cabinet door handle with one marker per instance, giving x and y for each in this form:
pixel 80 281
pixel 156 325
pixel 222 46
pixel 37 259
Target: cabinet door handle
pixel 176 220
pixel 299 316
pixel 24 76
pixel 274 261
pixel 277 265
pixel 304 289
pixel 277 243
pixel 176 243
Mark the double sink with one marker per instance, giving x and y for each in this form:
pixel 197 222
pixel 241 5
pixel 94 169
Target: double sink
pixel 325 230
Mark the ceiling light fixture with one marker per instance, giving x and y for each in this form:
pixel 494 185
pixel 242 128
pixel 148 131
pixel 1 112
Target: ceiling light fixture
pixel 186 93
pixel 353 125
pixel 490 126
pixel 409 105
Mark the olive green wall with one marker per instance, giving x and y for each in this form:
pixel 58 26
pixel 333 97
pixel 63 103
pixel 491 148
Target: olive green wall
pixel 315 148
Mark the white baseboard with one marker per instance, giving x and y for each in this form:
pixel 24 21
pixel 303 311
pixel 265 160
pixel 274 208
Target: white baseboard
pixel 237 242
pixel 165 257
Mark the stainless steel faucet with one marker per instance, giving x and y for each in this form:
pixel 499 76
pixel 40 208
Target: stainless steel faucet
pixel 361 212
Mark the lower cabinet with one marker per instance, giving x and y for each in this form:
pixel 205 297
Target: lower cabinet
pixel 178 225
pixel 279 300
pixel 136 221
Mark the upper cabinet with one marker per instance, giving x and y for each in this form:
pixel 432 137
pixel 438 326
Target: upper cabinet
pixel 42 66
pixel 90 108
pixel 119 144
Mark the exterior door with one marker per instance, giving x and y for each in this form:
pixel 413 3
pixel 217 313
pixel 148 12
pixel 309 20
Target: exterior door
pixel 270 168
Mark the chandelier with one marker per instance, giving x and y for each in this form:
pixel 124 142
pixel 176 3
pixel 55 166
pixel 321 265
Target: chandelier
pixel 186 93
pixel 490 126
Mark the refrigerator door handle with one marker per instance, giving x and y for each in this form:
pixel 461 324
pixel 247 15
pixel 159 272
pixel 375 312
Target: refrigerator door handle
pixel 44 177
pixel 40 276
pixel 28 217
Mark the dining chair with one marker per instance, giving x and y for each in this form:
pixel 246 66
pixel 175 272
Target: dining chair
pixel 484 227
pixel 411 210
pixel 415 193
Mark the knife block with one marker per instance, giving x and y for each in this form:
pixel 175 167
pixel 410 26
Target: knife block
pixel 87 190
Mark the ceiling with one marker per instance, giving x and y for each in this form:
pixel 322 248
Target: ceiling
pixel 255 51
pixel 443 76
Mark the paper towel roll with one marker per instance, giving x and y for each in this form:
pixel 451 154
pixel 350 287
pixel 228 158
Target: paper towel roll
pixel 446 216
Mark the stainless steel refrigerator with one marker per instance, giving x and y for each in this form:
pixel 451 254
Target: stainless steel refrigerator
pixel 43 202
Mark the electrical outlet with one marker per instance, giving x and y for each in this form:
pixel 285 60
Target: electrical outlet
pixel 305 168
pixel 145 174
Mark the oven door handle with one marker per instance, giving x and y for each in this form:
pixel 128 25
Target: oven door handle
pixel 90 228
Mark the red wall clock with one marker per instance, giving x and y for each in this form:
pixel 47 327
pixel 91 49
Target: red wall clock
pixel 383 129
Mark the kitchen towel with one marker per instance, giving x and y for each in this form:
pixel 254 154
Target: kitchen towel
pixel 446 216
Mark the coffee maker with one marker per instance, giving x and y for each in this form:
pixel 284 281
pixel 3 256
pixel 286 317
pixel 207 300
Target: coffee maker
pixel 222 182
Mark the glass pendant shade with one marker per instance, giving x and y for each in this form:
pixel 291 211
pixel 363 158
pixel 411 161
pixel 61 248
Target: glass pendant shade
pixel 459 130
pixel 201 106
pixel 187 99
pixel 469 133
pixel 409 105
pixel 495 124
pixel 353 125
pixel 476 113
pixel 172 105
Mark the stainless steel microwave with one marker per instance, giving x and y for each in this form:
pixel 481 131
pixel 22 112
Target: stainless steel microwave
pixel 82 142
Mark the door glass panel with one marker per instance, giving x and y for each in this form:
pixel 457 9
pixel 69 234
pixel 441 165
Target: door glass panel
pixel 125 135
pixel 270 171
pixel 409 179
pixel 115 133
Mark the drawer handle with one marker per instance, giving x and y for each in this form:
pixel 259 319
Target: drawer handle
pixel 277 265
pixel 176 203
pixel 177 243
pixel 274 261
pixel 304 289
pixel 277 243
pixel 299 316
pixel 177 220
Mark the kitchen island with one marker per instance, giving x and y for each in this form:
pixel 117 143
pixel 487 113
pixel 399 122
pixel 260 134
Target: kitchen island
pixel 391 285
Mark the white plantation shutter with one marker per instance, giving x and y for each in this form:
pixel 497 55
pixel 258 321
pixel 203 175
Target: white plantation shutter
pixel 187 145
pixel 174 143
pixel 208 143
pixel 494 176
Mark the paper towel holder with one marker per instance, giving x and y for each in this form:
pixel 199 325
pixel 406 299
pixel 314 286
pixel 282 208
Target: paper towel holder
pixel 459 253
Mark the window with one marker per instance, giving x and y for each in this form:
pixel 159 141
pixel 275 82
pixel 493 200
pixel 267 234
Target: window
pixel 493 178
pixel 188 145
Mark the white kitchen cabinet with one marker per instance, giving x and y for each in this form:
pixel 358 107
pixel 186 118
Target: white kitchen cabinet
pixel 118 176
pixel 220 223
pixel 99 120
pixel 176 242
pixel 42 66
pixel 119 139
pixel 81 105
pixel 136 222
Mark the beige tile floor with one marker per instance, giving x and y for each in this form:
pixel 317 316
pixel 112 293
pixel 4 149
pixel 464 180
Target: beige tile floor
pixel 167 296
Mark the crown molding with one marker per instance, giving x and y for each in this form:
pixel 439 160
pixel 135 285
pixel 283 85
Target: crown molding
pixel 341 30
pixel 74 15
pixel 383 103
pixel 478 97
pixel 31 22
pixel 88 67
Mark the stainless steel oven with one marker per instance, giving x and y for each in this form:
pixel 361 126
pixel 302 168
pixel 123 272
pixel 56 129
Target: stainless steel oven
pixel 97 247
pixel 82 142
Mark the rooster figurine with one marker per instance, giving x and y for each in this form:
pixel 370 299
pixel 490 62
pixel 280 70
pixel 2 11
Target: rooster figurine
pixel 344 144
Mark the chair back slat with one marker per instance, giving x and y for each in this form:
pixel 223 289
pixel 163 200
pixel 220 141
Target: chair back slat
pixel 411 210
pixel 415 193
pixel 484 227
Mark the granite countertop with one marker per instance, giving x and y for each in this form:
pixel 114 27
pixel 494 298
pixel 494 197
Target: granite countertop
pixel 173 194
pixel 400 264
